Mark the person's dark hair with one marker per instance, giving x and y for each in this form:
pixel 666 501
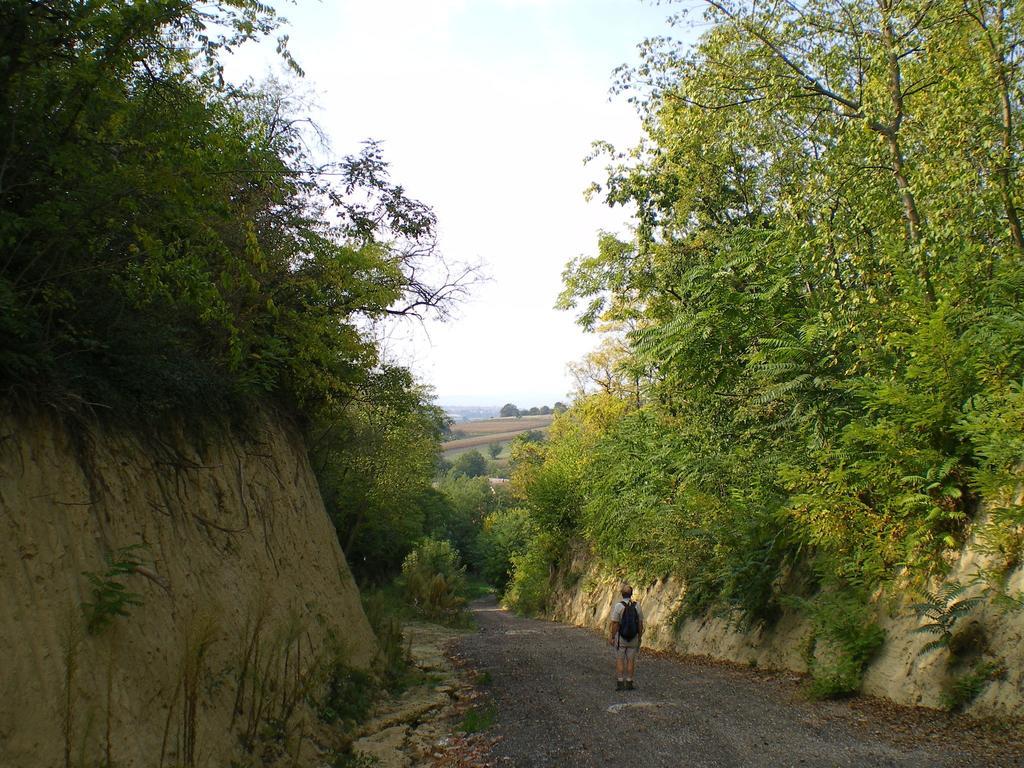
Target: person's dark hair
pixel 627 591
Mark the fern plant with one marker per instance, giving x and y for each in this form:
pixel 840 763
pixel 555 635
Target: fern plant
pixel 111 598
pixel 943 609
pixel 1008 602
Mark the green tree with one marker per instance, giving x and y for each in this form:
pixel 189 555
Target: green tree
pixel 434 579
pixel 172 244
pixel 375 458
pixel 468 500
pixel 505 534
pixel 509 409
pixel 469 464
pixel 530 436
pixel 172 247
pixel 812 341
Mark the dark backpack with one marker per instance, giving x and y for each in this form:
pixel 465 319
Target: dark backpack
pixel 629 623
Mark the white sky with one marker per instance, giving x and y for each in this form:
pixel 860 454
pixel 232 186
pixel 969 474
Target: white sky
pixel 486 109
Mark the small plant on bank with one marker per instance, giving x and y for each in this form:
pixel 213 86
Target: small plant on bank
pixel 844 620
pixel 966 688
pixel 998 591
pixel 385 610
pixel 110 597
pixel 348 693
pixel 1007 602
pixel 943 609
pixel 478 719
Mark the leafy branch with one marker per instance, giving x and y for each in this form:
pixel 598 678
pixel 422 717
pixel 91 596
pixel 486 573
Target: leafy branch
pixel 943 609
pixel 110 597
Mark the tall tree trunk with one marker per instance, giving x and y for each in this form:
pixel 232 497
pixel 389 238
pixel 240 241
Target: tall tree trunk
pixel 890 132
pixel 996 43
pixel 1006 168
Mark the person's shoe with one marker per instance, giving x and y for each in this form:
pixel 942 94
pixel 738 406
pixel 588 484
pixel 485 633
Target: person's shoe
pixel 620 686
pixel 629 685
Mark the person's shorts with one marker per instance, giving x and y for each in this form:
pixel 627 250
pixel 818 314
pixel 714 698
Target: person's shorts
pixel 626 651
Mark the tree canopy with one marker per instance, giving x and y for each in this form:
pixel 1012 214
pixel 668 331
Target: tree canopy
pixel 170 239
pixel 177 247
pixel 816 332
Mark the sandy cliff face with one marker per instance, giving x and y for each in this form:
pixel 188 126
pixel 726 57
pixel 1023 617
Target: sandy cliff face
pixel 898 672
pixel 239 596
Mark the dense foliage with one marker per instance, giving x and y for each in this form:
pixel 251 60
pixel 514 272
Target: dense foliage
pixel 819 334
pixel 177 247
pixel 171 242
pixel 374 454
pixel 504 536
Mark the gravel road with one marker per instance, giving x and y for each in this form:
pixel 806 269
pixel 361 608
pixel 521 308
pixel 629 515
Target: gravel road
pixel 553 687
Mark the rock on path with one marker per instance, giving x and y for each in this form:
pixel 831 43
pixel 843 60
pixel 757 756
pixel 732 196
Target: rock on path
pixel 554 689
pixel 417 728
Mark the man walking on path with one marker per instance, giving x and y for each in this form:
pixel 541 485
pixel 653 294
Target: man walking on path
pixel 627 631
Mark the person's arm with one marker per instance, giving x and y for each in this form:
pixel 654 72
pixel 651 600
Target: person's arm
pixel 615 621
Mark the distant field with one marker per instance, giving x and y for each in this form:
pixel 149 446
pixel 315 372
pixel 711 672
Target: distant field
pixel 454 452
pixel 482 433
pixel 473 442
pixel 497 426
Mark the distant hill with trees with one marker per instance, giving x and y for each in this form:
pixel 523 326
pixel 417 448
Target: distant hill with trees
pixel 461 413
pixel 511 409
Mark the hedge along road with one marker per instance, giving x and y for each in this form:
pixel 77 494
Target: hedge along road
pixel 553 687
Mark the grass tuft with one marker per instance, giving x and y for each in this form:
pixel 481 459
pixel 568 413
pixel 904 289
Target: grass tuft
pixel 478 719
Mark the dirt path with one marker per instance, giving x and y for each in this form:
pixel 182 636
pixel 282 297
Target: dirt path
pixel 554 691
